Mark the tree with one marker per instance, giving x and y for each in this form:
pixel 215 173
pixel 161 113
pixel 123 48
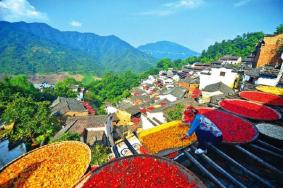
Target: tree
pixel 67 136
pixel 152 71
pixel 279 29
pixel 176 113
pixel 111 88
pixel 63 88
pixel 32 120
pixel 240 46
pixel 21 82
pixel 88 80
pixel 99 154
pixel 14 87
pixel 164 64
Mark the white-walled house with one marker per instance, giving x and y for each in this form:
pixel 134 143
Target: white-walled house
pixel 230 60
pixel 167 81
pixel 150 80
pixel 162 73
pixel 215 75
pixel 270 81
pixel 176 78
pixel 169 97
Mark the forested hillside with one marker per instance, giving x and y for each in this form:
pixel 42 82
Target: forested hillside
pixel 39 48
pixel 240 46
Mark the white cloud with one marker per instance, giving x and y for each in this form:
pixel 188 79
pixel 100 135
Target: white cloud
pixel 75 23
pixel 20 10
pixel 173 7
pixel 241 3
pixel 184 4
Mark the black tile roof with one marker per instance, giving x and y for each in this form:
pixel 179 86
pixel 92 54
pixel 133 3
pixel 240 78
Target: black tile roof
pixel 219 87
pixel 62 105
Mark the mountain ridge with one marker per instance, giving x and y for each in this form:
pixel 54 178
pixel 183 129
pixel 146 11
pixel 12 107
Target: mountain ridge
pixel 84 50
pixel 167 49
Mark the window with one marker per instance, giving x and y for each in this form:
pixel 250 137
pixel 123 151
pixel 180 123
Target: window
pixel 222 73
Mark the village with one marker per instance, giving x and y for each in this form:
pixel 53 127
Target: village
pixel 157 105
pixel 134 124
pixel 141 94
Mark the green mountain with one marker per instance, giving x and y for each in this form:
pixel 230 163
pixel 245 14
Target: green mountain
pixel 241 46
pixel 167 49
pixel 39 48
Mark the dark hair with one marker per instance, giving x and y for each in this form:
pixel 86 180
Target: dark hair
pixel 196 111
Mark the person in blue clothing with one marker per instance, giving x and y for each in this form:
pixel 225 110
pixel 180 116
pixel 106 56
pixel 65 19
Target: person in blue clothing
pixel 206 131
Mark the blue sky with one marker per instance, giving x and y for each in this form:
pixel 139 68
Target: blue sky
pixel 193 23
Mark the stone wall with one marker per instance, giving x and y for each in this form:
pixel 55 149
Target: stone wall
pixel 269 52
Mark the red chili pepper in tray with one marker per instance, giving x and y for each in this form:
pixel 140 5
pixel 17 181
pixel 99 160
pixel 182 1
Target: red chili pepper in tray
pixel 261 97
pixel 141 172
pixel 234 129
pixel 249 109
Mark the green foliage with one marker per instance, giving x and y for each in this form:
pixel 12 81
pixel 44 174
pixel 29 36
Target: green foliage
pixel 176 113
pixel 32 120
pixel 21 82
pixel 279 29
pixel 37 48
pixel 164 64
pixel 99 154
pixel 240 46
pixel 24 105
pixel 14 87
pixel 101 110
pixel 25 53
pixel 63 88
pixel 87 80
pixel 152 71
pixel 111 88
pixel 67 136
pixel 191 60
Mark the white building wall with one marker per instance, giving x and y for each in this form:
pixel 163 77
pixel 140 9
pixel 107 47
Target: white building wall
pixel 157 115
pixel 145 123
pixel 214 77
pixel 150 80
pixel 123 148
pixel 176 78
pixel 169 97
pixel 232 62
pixel 266 81
pixel 109 129
pixel 270 81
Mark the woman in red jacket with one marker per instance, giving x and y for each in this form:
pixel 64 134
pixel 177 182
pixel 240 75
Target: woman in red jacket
pixel 206 131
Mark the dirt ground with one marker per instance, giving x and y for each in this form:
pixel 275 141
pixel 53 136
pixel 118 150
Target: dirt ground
pixel 55 77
